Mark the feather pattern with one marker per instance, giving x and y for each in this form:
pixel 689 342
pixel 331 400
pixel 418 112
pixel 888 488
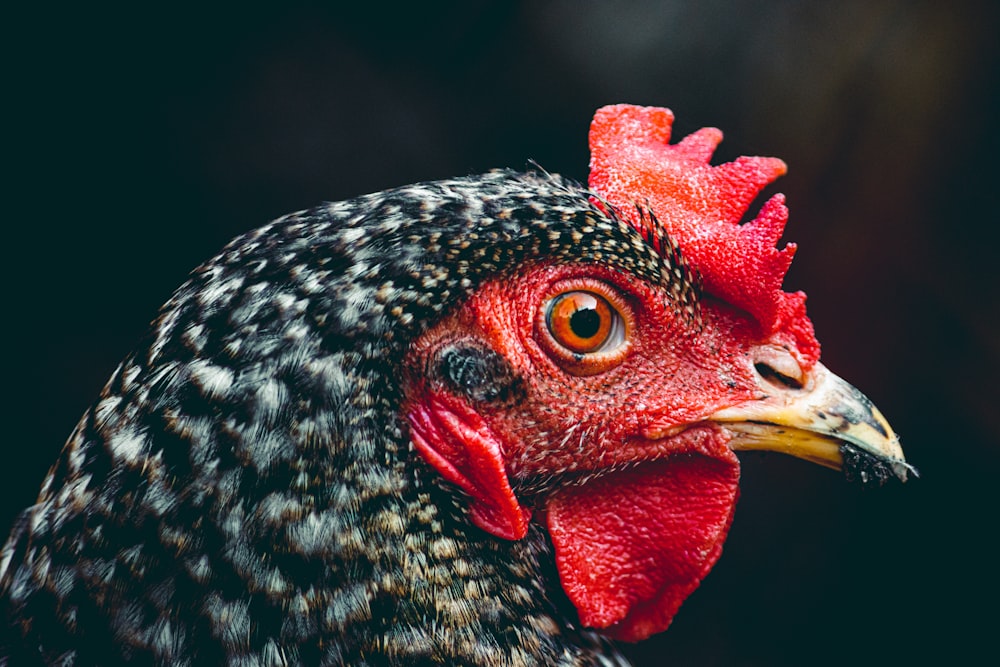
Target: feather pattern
pixel 244 492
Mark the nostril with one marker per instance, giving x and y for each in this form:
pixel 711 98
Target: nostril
pixel 776 377
pixel 778 367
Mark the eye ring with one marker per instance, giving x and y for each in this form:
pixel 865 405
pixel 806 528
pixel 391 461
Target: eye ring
pixel 585 326
pixel 582 321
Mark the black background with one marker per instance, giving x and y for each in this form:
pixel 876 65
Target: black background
pixel 136 143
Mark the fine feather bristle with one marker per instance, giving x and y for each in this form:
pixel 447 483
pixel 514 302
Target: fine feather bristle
pixel 688 279
pixel 684 280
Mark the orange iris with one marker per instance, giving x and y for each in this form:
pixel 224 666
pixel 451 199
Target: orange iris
pixel 580 321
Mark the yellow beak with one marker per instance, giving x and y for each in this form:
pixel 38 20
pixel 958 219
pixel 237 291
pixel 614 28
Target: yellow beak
pixel 826 421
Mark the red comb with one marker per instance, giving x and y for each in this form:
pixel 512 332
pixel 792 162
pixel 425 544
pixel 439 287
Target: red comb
pixel 701 206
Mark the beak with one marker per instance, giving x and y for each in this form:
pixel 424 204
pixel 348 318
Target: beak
pixel 826 421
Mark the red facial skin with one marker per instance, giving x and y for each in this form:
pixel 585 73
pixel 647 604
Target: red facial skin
pixel 612 449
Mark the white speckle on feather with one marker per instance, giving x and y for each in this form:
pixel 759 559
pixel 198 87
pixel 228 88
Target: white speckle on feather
pixel 270 397
pixel 106 410
pixel 353 234
pixel 126 445
pixel 213 380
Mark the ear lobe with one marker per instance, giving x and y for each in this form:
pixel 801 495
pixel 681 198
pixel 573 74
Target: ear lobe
pixel 454 439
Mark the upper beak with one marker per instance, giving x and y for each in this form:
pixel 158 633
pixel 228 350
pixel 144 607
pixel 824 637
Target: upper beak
pixel 826 421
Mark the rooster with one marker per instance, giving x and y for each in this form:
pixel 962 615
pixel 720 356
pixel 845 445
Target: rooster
pixel 482 421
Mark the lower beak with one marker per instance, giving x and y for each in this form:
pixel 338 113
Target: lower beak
pixel 826 421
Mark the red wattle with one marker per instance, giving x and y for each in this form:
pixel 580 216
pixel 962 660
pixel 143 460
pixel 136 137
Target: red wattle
pixel 454 439
pixel 632 545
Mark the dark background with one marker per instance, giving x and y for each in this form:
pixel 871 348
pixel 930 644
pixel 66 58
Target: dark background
pixel 136 144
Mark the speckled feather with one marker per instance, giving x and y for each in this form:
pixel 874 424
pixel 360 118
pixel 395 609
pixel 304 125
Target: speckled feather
pixel 244 490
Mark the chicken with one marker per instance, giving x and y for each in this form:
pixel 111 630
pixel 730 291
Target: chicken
pixel 482 421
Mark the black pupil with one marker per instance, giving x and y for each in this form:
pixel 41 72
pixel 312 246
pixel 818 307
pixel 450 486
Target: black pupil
pixel 585 322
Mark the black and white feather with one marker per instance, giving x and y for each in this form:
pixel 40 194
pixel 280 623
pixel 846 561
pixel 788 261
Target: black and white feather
pixel 244 492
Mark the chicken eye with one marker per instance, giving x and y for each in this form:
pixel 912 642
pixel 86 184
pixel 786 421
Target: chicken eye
pixel 584 322
pixel 584 325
